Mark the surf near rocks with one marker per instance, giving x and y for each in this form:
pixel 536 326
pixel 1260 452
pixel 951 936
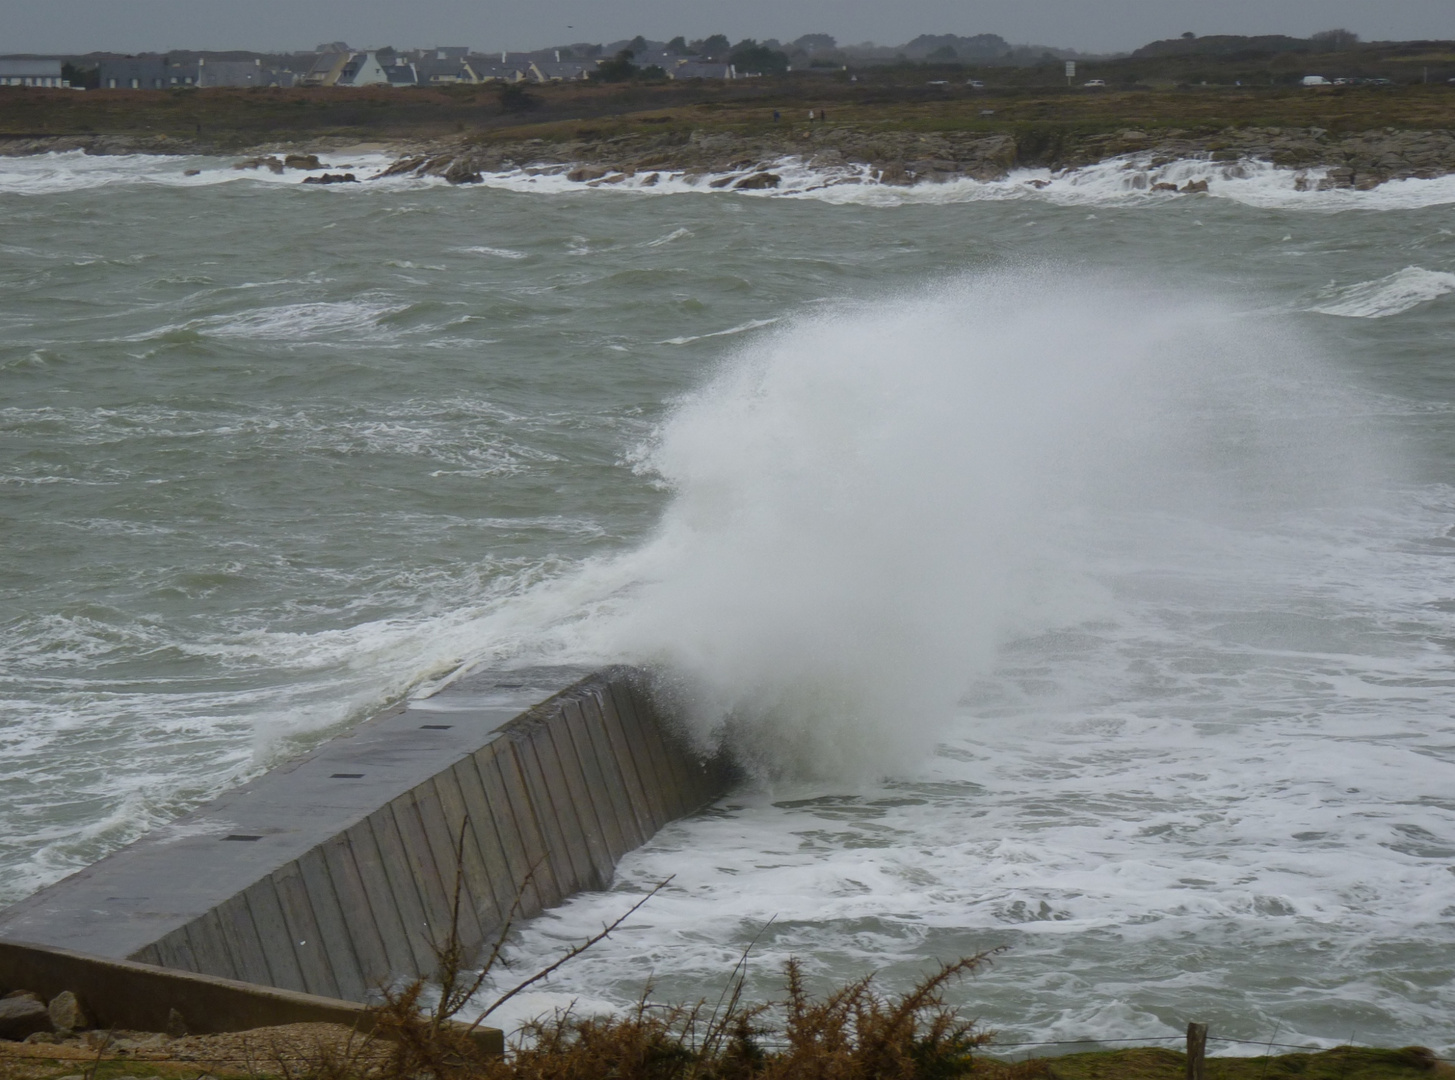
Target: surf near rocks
pixel 1360 161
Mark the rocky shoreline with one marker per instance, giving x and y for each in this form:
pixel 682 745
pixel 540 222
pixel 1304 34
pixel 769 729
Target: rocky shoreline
pixel 1360 161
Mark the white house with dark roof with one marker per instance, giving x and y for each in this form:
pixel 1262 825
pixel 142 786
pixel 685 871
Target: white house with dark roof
pixel 31 73
pixel 363 69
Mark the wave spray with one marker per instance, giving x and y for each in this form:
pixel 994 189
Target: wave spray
pixel 869 502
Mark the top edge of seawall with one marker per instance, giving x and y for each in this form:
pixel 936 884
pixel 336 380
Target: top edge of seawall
pixel 220 848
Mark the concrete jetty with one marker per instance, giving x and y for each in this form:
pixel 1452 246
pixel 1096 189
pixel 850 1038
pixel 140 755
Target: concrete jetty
pixel 335 873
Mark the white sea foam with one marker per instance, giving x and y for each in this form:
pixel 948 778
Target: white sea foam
pixel 74 170
pixel 499 253
pixel 1126 180
pixel 1390 295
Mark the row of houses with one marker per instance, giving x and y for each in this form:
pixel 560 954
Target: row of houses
pixel 165 73
pixel 343 67
pixel 367 69
pixel 31 73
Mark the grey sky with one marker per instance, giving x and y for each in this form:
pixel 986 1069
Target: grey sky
pixel 1090 25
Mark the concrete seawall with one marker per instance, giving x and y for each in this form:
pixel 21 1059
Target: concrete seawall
pixel 335 873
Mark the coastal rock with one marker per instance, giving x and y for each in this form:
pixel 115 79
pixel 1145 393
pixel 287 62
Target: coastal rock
pixel 306 162
pixel 903 157
pixel 461 173
pixel 66 1012
pixel 273 164
pixel 23 1014
pixel 332 178
pixel 1164 187
pixel 404 165
pixel 758 181
pixel 1194 187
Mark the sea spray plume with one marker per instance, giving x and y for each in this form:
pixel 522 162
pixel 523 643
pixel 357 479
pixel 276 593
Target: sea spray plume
pixel 867 503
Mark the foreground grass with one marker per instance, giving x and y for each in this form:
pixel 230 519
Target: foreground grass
pixel 1143 1063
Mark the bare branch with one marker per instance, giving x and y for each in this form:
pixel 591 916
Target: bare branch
pixel 571 954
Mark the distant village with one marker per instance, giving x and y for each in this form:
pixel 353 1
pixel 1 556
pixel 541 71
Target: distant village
pixel 339 65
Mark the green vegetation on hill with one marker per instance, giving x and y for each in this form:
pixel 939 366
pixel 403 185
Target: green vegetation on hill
pixel 228 119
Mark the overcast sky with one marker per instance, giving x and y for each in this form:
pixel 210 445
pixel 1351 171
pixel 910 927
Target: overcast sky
pixel 1088 25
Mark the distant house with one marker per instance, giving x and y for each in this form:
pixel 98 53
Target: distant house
pixel 401 73
pixel 326 69
pixel 697 69
pixel 147 73
pixel 363 69
pixel 234 73
pixel 437 71
pixel 543 71
pixel 502 70
pixel 31 73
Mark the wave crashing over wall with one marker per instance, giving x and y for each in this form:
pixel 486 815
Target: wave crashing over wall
pixel 870 502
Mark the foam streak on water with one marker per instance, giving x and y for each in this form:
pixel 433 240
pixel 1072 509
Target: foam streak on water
pixel 1070 562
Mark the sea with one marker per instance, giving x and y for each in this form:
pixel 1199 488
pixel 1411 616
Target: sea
pixel 1070 565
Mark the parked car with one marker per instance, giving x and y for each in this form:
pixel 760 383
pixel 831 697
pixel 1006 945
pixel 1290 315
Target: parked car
pixel 1094 83
pixel 976 84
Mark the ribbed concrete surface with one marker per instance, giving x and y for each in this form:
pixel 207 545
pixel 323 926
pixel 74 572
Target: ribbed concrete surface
pixel 335 873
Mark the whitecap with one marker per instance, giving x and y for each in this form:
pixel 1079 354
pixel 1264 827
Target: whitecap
pixel 1390 295
pixel 742 328
pixel 499 253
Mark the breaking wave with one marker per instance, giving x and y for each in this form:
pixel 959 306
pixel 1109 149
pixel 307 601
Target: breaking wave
pixel 1390 295
pixel 869 503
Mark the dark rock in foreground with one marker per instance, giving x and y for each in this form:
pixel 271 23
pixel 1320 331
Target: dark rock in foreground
pixel 23 1014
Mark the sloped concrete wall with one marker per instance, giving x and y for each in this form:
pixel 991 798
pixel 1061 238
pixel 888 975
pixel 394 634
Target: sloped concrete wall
pixel 355 887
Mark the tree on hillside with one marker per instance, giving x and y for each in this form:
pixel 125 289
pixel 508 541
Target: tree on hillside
pixel 712 48
pixel 750 58
pixel 637 45
pixel 618 69
pixel 944 53
pixel 88 78
pixel 812 43
pixel 1334 40
pixel 677 46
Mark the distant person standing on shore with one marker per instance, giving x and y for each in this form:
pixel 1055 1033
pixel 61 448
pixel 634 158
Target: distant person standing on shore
pixel 810 114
